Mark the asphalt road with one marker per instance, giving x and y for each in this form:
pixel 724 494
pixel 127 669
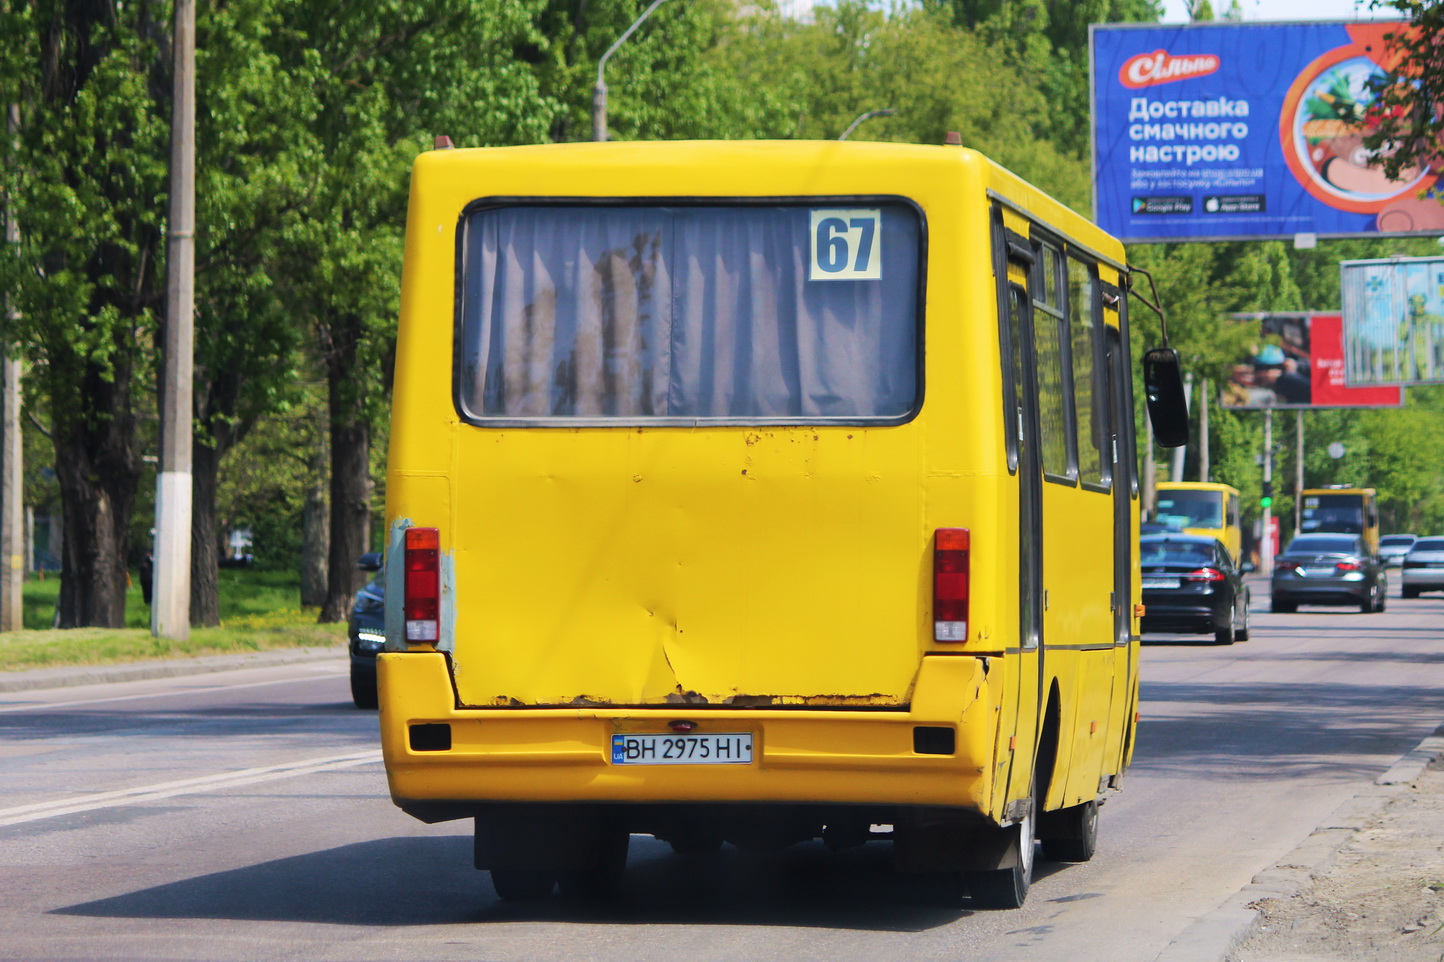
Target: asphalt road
pixel 244 816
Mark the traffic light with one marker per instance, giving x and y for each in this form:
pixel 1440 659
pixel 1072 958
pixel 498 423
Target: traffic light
pixel 1267 501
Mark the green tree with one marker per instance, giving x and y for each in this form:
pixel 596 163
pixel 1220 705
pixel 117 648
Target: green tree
pixel 87 179
pixel 382 80
pixel 1406 119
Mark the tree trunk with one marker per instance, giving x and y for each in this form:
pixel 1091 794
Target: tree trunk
pixel 350 512
pixel 350 465
pixel 315 534
pixel 97 489
pixel 205 550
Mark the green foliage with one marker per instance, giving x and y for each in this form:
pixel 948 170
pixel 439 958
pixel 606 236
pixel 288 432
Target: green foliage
pixel 1404 122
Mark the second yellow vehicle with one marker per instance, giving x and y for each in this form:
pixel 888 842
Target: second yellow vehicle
pixel 1203 508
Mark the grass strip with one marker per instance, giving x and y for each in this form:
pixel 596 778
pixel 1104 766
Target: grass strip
pixel 54 648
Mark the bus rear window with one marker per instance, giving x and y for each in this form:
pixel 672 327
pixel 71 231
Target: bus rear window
pixel 786 312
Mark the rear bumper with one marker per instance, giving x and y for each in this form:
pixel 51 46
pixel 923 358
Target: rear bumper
pixel 1422 577
pixel 1321 592
pixel 804 756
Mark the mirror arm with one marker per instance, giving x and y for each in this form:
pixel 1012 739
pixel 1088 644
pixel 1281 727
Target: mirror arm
pixel 1155 305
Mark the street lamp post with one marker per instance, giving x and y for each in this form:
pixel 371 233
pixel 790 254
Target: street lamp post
pixel 599 92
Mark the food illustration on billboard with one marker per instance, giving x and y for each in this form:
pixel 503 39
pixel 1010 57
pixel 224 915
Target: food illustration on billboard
pixel 1235 131
pixel 1394 320
pixel 1296 360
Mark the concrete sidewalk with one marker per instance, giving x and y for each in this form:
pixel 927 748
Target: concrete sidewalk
pixel 72 675
pixel 1340 896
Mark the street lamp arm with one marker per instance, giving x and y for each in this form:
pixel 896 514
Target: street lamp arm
pixel 885 112
pixel 602 64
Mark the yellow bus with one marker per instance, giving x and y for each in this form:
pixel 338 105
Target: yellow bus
pixel 758 492
pixel 1341 508
pixel 1202 508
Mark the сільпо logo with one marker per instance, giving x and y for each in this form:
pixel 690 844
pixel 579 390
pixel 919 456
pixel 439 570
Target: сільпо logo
pixel 1159 67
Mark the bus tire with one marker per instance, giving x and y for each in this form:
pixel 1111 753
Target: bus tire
pixel 604 880
pixel 522 885
pixel 695 840
pixel 1076 831
pixel 1007 888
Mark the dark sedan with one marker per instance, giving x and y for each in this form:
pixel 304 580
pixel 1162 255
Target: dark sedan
pixel 1328 569
pixel 366 632
pixel 1191 584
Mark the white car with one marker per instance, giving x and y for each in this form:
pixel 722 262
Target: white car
pixel 1393 548
pixel 1423 567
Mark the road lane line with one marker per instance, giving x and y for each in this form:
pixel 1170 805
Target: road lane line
pixel 44 705
pixel 185 786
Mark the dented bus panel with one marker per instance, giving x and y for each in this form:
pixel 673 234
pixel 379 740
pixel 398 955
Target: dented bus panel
pixel 758 475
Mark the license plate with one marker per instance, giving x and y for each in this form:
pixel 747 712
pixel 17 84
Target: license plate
pixel 1161 582
pixel 692 749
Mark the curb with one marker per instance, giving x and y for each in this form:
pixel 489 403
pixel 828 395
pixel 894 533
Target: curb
pixel 1215 936
pixel 39 678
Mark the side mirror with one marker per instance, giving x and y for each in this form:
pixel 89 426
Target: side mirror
pixel 1163 388
pixel 1248 567
pixel 370 561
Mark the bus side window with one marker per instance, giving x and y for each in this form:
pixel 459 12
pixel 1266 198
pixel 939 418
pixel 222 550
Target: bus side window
pixel 1084 309
pixel 1056 439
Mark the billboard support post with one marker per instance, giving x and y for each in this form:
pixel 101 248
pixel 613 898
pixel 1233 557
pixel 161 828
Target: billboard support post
pixel 1266 548
pixel 1298 469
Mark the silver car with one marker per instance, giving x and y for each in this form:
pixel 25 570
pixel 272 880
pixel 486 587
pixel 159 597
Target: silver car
pixel 1393 548
pixel 1423 567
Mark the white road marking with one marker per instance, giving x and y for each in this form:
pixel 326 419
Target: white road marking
pixel 185 786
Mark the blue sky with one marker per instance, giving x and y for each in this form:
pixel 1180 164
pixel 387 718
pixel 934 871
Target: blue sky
pixel 1174 11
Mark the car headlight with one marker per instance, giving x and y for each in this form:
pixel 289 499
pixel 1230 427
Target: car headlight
pixel 366 637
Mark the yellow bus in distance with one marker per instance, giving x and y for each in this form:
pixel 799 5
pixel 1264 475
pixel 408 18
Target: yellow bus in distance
pixel 1202 508
pixel 735 495
pixel 1343 509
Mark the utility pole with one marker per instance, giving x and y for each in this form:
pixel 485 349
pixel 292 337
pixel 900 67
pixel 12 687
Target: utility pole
pixel 1182 449
pixel 1150 470
pixel 171 594
pixel 12 483
pixel 599 90
pixel 1203 465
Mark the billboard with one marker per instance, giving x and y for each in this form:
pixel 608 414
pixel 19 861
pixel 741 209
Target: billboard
pixel 1296 360
pixel 1230 131
pixel 1394 320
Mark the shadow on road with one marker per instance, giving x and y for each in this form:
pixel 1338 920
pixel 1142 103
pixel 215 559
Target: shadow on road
pixel 1281 731
pixel 430 881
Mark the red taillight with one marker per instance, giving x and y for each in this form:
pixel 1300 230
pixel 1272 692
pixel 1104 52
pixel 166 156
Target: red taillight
pixel 1285 566
pixel 1349 566
pixel 422 600
pixel 1205 574
pixel 950 584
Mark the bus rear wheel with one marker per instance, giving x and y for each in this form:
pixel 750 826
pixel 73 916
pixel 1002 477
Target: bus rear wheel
pixel 1007 888
pixel 1070 834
